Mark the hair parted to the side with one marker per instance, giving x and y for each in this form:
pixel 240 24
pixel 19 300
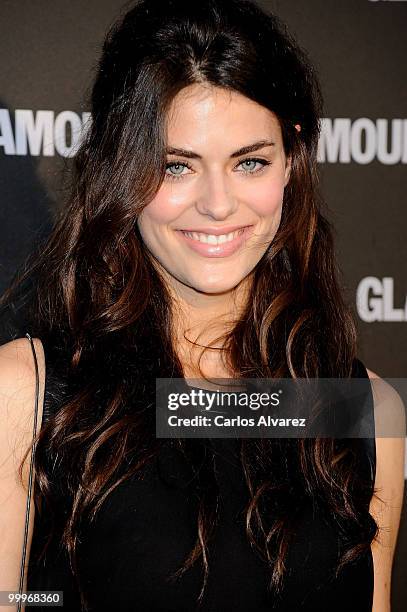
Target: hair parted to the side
pixel 99 300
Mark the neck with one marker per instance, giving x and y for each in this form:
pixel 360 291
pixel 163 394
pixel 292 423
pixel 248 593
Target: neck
pixel 199 320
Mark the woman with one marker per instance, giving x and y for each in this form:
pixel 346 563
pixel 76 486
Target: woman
pixel 194 244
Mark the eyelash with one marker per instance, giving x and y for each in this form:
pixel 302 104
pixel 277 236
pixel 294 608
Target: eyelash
pixel 264 163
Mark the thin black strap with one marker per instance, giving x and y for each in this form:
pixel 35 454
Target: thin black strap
pixel 27 513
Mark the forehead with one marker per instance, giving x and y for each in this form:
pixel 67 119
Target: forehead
pixel 202 114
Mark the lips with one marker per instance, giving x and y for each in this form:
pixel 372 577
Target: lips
pixel 215 231
pixel 224 249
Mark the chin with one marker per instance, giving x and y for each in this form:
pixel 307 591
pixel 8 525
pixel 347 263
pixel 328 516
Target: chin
pixel 219 287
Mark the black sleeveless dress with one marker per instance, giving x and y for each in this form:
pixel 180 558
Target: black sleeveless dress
pixel 146 528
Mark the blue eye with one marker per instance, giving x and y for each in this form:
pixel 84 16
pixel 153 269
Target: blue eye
pixel 177 164
pixel 254 160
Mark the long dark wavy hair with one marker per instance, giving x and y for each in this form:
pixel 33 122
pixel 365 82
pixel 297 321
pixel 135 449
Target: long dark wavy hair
pixel 104 313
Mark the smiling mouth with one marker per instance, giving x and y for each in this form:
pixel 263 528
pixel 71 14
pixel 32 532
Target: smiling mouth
pixel 212 239
pixel 212 245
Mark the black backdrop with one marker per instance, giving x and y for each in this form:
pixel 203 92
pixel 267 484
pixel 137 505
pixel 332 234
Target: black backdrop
pixel 49 51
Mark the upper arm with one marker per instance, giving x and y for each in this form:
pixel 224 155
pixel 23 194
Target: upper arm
pixel 17 396
pixel 386 504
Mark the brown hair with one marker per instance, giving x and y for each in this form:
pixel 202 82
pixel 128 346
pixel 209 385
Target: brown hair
pixel 99 301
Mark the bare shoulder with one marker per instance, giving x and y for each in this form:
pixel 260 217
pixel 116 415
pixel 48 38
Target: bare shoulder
pixel 390 425
pixel 17 356
pixel 17 403
pixel 389 409
pixel 17 391
pixel 386 504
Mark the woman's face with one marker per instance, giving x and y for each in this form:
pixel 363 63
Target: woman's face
pixel 225 177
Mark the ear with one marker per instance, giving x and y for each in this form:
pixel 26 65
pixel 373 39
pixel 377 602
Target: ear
pixel 287 172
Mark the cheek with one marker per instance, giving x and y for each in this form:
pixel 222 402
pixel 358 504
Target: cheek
pixel 165 207
pixel 266 198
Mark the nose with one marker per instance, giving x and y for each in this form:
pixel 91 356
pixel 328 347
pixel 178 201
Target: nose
pixel 216 199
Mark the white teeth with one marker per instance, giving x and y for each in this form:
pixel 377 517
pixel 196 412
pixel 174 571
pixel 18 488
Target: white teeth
pixel 212 239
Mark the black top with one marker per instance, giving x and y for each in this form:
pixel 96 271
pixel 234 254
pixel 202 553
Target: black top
pixel 146 528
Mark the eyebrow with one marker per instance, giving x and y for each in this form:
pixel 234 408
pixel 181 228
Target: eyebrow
pixel 261 144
